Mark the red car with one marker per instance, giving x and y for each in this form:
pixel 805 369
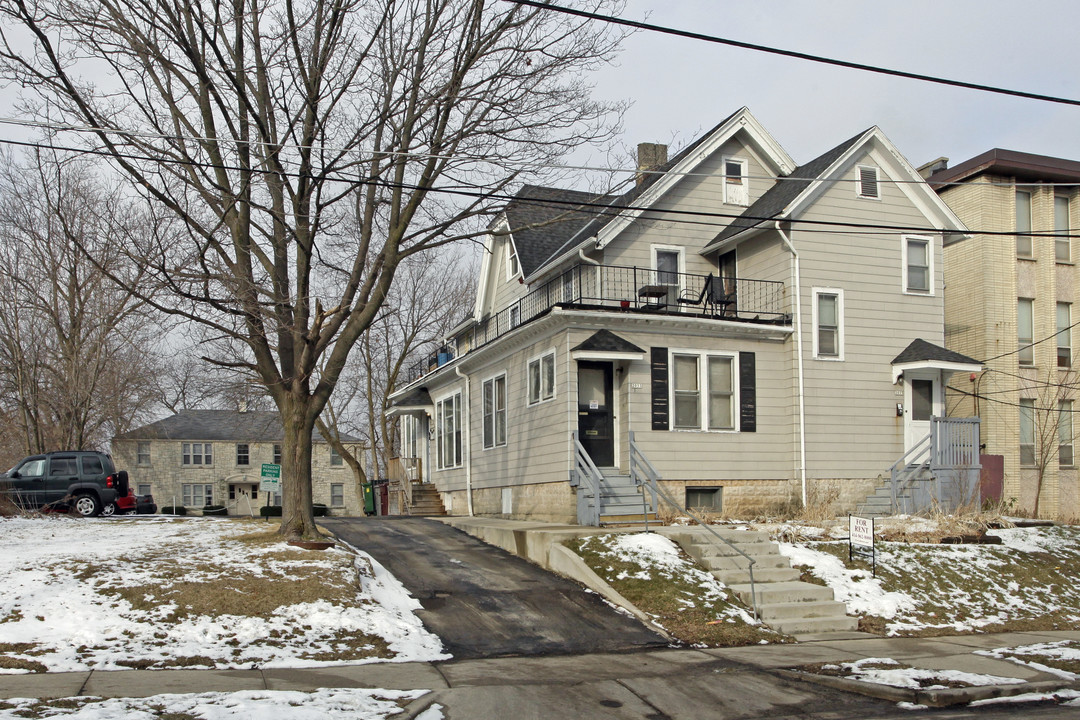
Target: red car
pixel 131 504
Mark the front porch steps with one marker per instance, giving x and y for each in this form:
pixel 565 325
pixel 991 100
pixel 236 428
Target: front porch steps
pixel 879 503
pixel 426 501
pixel 621 500
pixel 784 602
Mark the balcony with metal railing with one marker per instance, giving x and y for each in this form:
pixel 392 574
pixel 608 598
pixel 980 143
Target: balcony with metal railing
pixel 625 290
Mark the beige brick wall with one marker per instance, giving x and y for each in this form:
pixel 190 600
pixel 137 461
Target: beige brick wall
pixel 166 475
pixel 984 279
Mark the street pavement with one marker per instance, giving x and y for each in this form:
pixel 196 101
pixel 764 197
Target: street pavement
pixel 671 684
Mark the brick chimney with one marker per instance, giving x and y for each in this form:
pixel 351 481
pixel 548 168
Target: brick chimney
pixel 649 157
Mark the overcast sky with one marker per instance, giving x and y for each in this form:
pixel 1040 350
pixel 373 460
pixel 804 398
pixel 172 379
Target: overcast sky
pixel 682 87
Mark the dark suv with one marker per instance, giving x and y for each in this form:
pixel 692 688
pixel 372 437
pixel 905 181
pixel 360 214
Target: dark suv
pixel 88 480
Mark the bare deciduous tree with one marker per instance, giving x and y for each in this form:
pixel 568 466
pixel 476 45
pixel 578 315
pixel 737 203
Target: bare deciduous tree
pixel 76 350
pixel 306 147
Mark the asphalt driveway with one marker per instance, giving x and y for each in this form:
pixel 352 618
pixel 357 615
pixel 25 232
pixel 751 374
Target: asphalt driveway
pixel 484 602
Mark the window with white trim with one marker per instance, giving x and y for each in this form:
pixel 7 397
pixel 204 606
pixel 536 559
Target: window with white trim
pixel 277 453
pixel 1065 433
pixel 541 371
pixel 1027 431
pixel 197 453
pixel 1062 245
pixel 1023 224
pixel 494 398
pixel 868 182
pixel 337 495
pixel 243 454
pixel 143 489
pixel 335 457
pixel 512 266
pixel 448 448
pixel 703 391
pixel 918 265
pixel 197 494
pixel 142 453
pixel 1025 330
pixel 736 182
pixel 828 315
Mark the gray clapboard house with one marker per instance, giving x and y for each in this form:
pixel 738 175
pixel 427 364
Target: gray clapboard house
pixel 752 332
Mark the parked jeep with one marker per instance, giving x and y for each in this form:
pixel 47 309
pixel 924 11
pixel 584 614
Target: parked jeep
pixel 87 480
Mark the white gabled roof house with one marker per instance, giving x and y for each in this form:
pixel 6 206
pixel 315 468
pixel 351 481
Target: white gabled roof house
pixel 731 322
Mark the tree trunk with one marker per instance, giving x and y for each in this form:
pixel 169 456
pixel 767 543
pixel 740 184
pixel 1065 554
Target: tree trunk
pixel 297 515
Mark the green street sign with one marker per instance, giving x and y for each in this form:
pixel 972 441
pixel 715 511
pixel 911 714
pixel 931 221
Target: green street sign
pixel 271 470
pixel 271 478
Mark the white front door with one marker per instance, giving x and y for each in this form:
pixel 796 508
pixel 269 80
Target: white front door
pixel 923 400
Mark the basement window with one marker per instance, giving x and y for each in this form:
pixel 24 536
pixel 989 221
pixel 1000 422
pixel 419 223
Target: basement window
pixel 709 499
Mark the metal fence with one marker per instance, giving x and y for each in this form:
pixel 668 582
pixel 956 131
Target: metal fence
pixel 625 289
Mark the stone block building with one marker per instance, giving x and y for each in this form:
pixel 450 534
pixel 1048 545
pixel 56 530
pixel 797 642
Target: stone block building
pixel 214 457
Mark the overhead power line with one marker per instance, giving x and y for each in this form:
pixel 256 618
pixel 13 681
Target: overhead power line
pixel 598 207
pixel 792 53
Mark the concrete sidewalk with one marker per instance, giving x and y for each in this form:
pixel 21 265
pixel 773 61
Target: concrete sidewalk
pixel 746 682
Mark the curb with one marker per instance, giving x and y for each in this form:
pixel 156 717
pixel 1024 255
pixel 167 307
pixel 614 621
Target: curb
pixel 932 698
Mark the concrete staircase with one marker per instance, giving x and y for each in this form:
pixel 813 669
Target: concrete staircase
pixel 879 503
pixel 426 501
pixel 784 602
pixel 620 500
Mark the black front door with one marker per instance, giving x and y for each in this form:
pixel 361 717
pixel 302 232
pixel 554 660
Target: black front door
pixel 596 413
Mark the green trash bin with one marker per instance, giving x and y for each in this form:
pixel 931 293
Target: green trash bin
pixel 369 499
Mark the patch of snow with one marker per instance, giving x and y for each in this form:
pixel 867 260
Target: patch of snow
pixel 1071 698
pixel 278 704
pixel 53 597
pixel 916 678
pixel 862 593
pixel 1062 650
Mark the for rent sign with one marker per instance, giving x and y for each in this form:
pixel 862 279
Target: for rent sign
pixel 861 539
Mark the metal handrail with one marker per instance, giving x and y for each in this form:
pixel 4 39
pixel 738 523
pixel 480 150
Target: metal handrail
pixel 899 470
pixel 642 472
pixel 585 470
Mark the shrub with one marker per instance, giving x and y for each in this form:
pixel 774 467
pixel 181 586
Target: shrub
pixel 270 511
pixel 215 510
pixel 174 510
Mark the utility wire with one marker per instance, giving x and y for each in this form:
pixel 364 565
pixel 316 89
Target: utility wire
pixel 600 209
pixel 1010 404
pixel 364 155
pixel 1030 345
pixel 614 20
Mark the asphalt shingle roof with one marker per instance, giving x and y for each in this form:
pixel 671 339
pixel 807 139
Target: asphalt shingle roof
pixel 780 195
pixel 920 349
pixel 607 341
pixel 218 425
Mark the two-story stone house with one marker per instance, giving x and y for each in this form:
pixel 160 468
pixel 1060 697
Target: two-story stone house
pixel 214 457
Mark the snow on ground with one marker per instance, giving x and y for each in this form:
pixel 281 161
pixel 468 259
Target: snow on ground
pixel 279 705
pixel 1040 655
pixel 961 588
pixel 659 555
pixel 61 603
pixel 886 671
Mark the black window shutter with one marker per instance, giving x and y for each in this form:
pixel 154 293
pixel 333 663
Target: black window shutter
pixel 659 363
pixel 747 392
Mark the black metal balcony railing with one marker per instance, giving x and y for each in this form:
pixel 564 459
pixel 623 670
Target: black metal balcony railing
pixel 625 289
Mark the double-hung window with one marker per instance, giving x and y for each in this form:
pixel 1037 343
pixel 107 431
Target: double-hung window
pixel 197 494
pixel 1023 224
pixel 142 453
pixel 277 453
pixel 495 411
pixel 1062 248
pixel 448 448
pixel 703 391
pixel 197 453
pixel 1065 433
pixel 1064 335
pixel 541 373
pixel 736 182
pixel 243 454
pixel 1027 431
pixel 337 495
pixel 917 264
pixel 512 266
pixel 1025 330
pixel 828 324
pixel 335 457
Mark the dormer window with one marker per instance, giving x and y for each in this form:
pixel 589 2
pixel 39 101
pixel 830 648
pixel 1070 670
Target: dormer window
pixel 868 182
pixel 512 267
pixel 736 182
